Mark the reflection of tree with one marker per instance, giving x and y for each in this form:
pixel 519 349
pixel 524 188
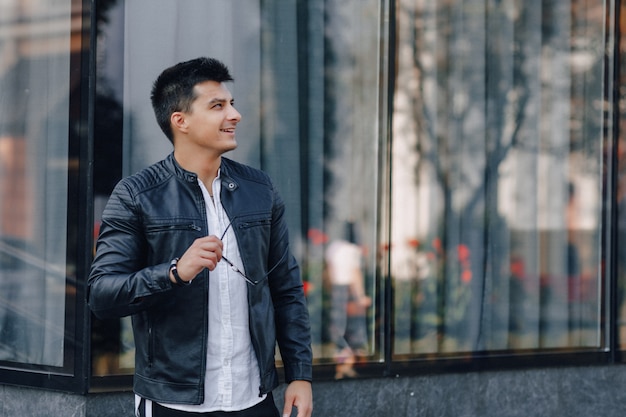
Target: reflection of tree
pixel 350 108
pixel 102 12
pixel 338 111
pixel 481 82
pixel 107 171
pixel 108 122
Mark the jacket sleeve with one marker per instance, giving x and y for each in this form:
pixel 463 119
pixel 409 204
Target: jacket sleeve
pixel 120 283
pixel 293 331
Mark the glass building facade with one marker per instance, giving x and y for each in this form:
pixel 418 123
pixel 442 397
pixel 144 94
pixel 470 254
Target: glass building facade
pixel 471 152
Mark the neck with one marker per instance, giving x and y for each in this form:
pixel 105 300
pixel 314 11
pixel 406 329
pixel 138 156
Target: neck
pixel 206 168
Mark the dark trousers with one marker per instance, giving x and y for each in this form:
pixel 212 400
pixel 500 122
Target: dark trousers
pixel 265 408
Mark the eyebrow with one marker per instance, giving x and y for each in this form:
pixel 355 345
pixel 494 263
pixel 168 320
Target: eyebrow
pixel 218 100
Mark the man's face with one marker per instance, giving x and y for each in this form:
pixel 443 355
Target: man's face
pixel 212 120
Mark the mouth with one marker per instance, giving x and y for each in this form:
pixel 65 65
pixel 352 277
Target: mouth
pixel 230 130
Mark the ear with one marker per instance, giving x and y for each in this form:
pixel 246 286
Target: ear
pixel 178 121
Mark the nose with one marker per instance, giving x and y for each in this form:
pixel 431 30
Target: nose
pixel 234 114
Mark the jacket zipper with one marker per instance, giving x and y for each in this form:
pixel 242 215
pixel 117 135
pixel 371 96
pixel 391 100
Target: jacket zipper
pixel 150 344
pixel 169 227
pixel 246 225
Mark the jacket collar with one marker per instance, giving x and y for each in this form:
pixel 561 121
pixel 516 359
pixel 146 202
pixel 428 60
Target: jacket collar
pixel 228 183
pixel 179 171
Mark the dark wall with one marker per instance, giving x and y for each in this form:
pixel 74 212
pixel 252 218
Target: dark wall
pixel 555 392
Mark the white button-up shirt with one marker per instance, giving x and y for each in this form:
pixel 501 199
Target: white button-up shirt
pixel 232 373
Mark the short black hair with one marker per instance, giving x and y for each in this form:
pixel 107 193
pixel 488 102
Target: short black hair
pixel 173 89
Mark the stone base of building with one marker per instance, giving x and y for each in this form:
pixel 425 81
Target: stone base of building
pixel 554 392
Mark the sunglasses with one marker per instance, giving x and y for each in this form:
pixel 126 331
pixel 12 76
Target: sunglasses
pixel 236 269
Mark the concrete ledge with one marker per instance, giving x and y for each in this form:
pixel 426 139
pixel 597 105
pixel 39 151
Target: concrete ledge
pixel 554 392
pixel 28 402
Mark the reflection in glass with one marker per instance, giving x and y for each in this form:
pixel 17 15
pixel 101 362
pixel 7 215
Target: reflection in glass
pixel 306 83
pixel 340 194
pixel 497 177
pixel 348 306
pixel 621 192
pixel 35 90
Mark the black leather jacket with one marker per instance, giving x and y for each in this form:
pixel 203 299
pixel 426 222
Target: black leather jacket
pixel 153 217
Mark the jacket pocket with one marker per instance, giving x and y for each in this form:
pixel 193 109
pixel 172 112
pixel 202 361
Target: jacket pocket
pixel 170 227
pixel 255 223
pixel 170 239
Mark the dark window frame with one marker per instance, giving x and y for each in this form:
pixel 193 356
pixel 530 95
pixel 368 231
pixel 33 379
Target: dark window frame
pixel 73 376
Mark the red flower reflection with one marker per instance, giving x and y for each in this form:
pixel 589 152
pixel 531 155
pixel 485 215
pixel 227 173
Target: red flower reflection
pixel 317 237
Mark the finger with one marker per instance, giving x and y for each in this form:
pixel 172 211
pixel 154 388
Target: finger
pixel 301 413
pixel 288 404
pixel 209 241
pixel 207 250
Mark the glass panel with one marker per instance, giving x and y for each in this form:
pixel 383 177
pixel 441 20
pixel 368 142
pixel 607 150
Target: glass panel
pixel 339 147
pixel 308 94
pixel 497 176
pixel 34 170
pixel 621 190
pixel 129 62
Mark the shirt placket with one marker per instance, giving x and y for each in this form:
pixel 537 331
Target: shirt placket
pixel 227 340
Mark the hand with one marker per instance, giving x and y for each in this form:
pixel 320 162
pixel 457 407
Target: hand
pixel 204 252
pixel 300 395
pixel 365 301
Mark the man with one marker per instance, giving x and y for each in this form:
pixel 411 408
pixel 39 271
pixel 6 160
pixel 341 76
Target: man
pixel 348 301
pixel 195 248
